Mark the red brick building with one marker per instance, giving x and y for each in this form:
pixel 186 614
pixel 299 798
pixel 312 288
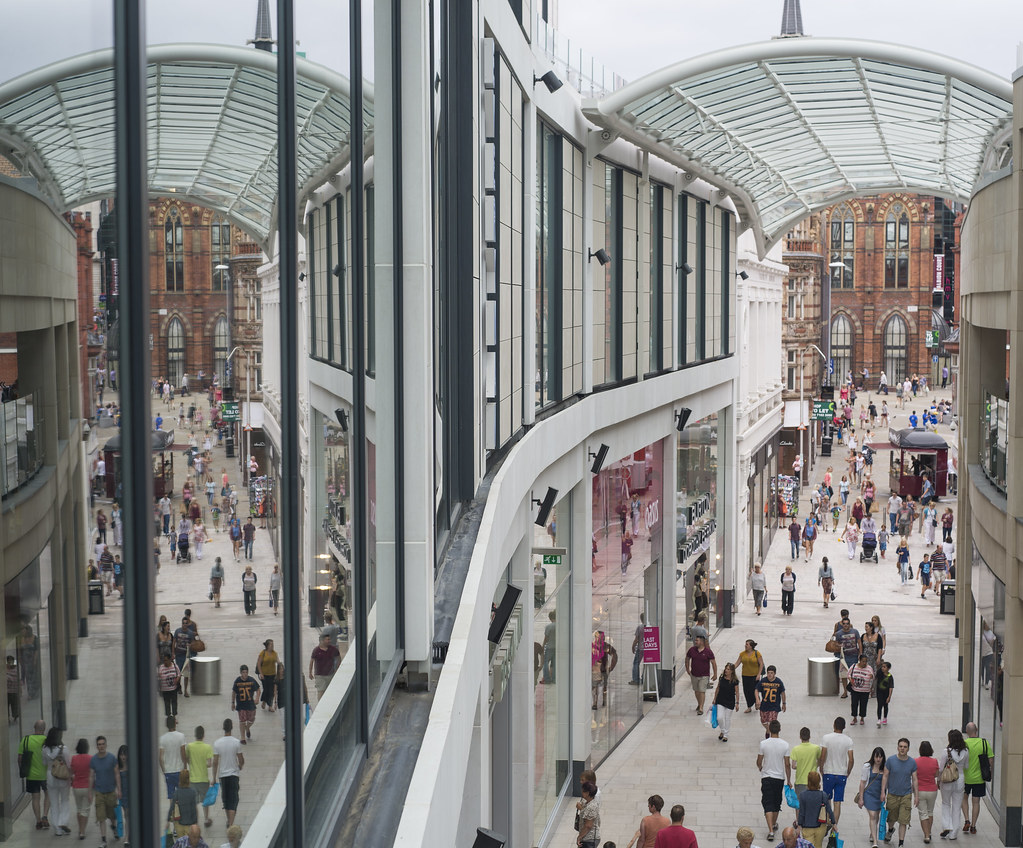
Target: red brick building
pixel 894 249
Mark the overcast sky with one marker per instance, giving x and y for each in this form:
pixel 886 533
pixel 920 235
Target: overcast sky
pixel 631 38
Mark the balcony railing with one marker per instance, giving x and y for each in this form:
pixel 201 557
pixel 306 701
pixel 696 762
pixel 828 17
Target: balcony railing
pixel 21 443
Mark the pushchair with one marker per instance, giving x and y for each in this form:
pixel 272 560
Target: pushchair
pixel 184 554
pixel 869 547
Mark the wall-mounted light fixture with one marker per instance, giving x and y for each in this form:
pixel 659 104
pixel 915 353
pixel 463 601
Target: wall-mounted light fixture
pixel 546 505
pixel 549 79
pixel 503 613
pixel 682 418
pixel 601 255
pixel 488 839
pixel 742 275
pixel 301 277
pixel 337 270
pixel 598 458
pixel 685 267
pixel 342 419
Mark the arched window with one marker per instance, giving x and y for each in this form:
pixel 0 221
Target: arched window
pixel 841 348
pixel 175 351
pixel 842 247
pixel 221 339
pixel 896 249
pixel 895 345
pixel 220 251
pixel 174 251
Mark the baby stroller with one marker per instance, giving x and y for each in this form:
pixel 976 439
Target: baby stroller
pixel 869 547
pixel 184 554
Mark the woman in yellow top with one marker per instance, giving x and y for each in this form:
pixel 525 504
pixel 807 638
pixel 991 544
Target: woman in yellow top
pixel 266 668
pixel 752 668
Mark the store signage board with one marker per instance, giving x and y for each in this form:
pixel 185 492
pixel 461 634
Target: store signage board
pixel 651 644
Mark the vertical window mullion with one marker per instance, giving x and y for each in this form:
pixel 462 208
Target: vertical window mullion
pixel 683 277
pixel 330 265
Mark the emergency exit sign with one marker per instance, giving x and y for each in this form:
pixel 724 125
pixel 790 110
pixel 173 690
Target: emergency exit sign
pixel 552 559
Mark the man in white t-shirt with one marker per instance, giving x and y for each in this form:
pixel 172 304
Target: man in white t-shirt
pixel 228 762
pixel 171 744
pixel 775 772
pixel 836 765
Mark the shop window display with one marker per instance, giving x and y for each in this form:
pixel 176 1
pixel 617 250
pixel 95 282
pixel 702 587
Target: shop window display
pixel 988 663
pixel 626 545
pixel 698 544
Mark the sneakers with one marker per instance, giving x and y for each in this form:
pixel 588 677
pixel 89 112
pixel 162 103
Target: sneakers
pixel 884 721
pixel 879 722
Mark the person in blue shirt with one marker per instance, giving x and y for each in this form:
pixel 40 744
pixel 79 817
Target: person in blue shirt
pixel 913 420
pixel 159 422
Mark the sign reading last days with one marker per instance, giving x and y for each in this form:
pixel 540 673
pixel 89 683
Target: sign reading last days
pixel 651 645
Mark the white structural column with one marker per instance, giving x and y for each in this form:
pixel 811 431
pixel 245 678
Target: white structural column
pixel 417 343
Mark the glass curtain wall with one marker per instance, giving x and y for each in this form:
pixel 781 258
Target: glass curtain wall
pixel 552 651
pixel 627 531
pixel 698 542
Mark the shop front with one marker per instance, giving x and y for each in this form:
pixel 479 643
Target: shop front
pixel 769 495
pixel 330 579
pixel 699 540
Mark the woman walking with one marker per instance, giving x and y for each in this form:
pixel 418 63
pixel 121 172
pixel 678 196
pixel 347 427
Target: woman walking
pixel 200 535
pixel 858 511
pixel 185 802
pixel 809 537
pixel 871 645
pixel 851 535
pixel 861 680
pixel 116 524
pixel 758 584
pixel 843 489
pixel 275 588
pixel 869 795
pixel 788 590
pixel 267 665
pixel 902 553
pixel 885 685
pixel 826 580
pixel 58 788
pixel 930 522
pixel 927 782
pixel 947 519
pixel 815 812
pixel 954 762
pixel 726 699
pixel 168 678
pixel 752 664
pixel 81 763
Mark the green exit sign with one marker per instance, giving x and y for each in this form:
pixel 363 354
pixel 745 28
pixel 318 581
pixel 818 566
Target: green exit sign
pixel 552 559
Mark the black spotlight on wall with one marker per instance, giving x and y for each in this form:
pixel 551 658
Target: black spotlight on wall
pixel 549 79
pixel 342 419
pixel 598 458
pixel 502 614
pixel 685 267
pixel 742 275
pixel 546 505
pixel 488 839
pixel 337 270
pixel 301 277
pixel 602 256
pixel 682 418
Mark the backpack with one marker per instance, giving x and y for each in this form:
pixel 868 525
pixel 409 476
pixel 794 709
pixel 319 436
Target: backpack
pixel 25 766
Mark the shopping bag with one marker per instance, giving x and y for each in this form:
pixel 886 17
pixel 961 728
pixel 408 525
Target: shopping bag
pixel 765 600
pixel 791 798
pixel 211 795
pixel 714 716
pixel 119 819
pixel 882 823
pixel 308 713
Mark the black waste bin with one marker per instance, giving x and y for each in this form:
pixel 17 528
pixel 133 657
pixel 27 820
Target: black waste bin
pixel 948 597
pixel 95 597
pixel 229 445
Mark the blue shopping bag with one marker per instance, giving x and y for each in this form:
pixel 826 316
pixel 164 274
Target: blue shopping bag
pixel 119 819
pixel 882 823
pixel 211 795
pixel 791 798
pixel 308 713
pixel 714 716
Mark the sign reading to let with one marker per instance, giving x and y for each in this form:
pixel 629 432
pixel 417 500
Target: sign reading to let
pixel 229 411
pixel 651 644
pixel 823 410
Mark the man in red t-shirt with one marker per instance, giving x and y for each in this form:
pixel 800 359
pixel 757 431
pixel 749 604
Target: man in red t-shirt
pixel 699 660
pixel 676 836
pixel 323 663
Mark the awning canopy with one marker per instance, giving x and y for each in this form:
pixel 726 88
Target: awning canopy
pixel 160 440
pixel 793 125
pixel 916 440
pixel 212 129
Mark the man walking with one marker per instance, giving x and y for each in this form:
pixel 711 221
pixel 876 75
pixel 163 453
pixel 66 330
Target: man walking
pixel 975 784
pixel 104 787
pixel 795 533
pixel 248 535
pixel 243 699
pixel 836 765
pixel 699 661
pixel 198 756
pixel 676 835
pixel 165 513
pixel 228 762
pixel 899 791
pixel 770 695
pixel 322 664
pixel 172 743
pixel 807 757
pixel 31 749
pixel 775 771
pixel 894 505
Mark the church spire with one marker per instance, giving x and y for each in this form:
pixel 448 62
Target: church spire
pixel 791 20
pixel 264 39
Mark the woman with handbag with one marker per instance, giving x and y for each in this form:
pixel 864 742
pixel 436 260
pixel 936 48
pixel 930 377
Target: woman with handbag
pixel 952 780
pixel 589 818
pixel 826 580
pixel 927 780
pixel 758 585
pixel 869 794
pixel 186 801
pixel 57 760
pixel 267 665
pixel 726 699
pixel 814 813
pixel 752 664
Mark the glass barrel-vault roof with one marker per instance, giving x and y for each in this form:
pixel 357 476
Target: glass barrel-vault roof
pixel 794 125
pixel 212 128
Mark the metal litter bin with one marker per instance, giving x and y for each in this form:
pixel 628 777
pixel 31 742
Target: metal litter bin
pixel 948 597
pixel 95 597
pixel 205 675
pixel 822 675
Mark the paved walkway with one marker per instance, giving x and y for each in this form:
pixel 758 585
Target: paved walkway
pixel 676 754
pixel 95 699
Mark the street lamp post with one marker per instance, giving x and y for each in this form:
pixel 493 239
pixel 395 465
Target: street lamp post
pixel 802 424
pixel 247 423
